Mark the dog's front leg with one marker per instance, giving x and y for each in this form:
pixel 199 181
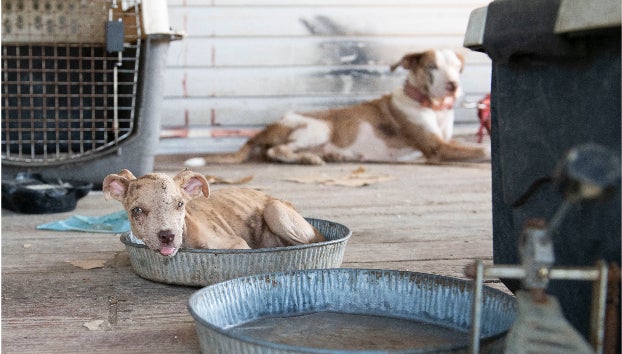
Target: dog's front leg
pixel 286 153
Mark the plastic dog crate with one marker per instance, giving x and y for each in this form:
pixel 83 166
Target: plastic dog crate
pixel 555 85
pixel 81 86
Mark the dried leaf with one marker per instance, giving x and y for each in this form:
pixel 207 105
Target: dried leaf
pixel 94 325
pixel 359 170
pixel 89 263
pixel 356 178
pixel 220 180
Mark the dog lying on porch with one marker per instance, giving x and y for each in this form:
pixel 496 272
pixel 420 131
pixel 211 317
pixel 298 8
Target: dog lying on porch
pixel 169 213
pixel 415 119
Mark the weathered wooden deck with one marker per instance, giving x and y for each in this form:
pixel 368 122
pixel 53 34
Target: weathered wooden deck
pixel 432 219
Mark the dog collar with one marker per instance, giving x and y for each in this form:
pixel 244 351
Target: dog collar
pixel 416 94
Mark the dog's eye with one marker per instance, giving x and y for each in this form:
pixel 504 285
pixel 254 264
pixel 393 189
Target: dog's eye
pixel 136 211
pixel 180 204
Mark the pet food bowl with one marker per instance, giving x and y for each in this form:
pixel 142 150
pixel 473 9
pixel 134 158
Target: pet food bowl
pixel 346 311
pixel 201 267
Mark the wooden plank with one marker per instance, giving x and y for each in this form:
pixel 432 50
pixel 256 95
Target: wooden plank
pixel 137 315
pixel 197 140
pixel 260 21
pixel 303 81
pixel 453 3
pixel 244 112
pixel 313 51
pixel 442 267
pixel 300 81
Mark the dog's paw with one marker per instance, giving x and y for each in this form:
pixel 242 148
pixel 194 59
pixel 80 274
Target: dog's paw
pixel 312 159
pixel 336 157
pixel 195 162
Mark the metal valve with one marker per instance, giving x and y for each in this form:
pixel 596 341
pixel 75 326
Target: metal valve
pixel 588 172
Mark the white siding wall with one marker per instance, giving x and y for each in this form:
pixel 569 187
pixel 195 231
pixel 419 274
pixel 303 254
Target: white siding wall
pixel 243 63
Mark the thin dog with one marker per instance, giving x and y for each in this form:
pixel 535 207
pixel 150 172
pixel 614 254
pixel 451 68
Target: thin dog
pixel 415 119
pixel 168 213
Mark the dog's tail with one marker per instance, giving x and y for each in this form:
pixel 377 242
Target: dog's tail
pixel 239 156
pixel 273 134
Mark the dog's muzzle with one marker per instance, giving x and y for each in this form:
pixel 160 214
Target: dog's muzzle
pixel 166 238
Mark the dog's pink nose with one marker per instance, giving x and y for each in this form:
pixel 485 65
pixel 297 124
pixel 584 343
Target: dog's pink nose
pixel 166 236
pixel 451 86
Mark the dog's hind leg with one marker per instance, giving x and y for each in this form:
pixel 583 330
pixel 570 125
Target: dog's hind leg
pixel 288 225
pixel 286 153
pixel 306 136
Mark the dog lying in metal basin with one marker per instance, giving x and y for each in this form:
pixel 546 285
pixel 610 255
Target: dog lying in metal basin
pixel 168 213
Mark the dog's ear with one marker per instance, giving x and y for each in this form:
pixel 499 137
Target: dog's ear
pixel 127 174
pixel 115 186
pixel 408 61
pixel 461 58
pixel 195 184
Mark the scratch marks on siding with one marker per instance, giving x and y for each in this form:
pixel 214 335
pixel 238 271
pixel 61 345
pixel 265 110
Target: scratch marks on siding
pixel 184 85
pixel 345 53
pixel 213 55
pixel 213 117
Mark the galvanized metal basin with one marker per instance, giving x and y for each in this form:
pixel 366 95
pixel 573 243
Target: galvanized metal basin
pixel 201 267
pixel 346 310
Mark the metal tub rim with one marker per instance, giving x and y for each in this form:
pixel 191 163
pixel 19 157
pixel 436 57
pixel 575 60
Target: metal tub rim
pixel 489 342
pixel 202 267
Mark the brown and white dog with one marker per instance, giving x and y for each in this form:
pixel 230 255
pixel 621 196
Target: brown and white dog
pixel 169 213
pixel 415 118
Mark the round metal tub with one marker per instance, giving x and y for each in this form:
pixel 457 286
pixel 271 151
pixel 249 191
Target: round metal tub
pixel 346 310
pixel 201 267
